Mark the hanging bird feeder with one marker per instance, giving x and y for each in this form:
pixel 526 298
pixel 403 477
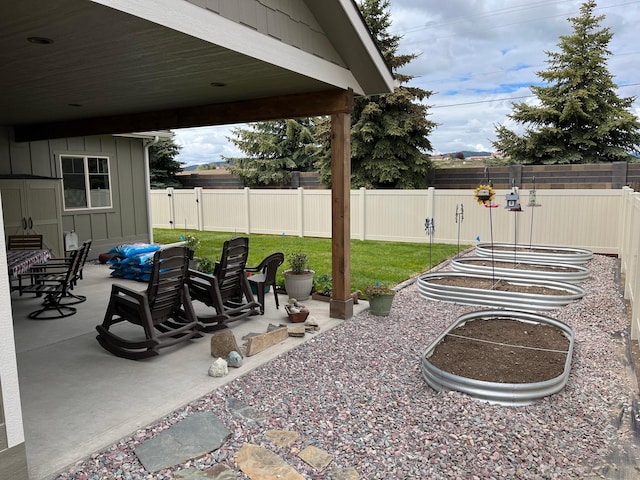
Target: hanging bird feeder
pixel 513 201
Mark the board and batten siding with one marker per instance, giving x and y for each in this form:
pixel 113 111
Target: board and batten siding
pixel 126 221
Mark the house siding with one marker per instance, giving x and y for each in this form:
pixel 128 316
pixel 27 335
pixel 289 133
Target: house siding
pixel 126 221
pixel 289 21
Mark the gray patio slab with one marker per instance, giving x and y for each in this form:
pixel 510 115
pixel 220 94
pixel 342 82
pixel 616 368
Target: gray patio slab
pixel 78 398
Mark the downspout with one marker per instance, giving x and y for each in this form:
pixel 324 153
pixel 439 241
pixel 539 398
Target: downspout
pixel 147 181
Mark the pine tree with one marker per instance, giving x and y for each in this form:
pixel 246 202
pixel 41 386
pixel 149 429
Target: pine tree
pixel 274 149
pixel 162 166
pixel 389 133
pixel 580 119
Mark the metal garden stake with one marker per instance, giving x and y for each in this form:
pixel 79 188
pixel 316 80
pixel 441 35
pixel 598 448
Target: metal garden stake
pixel 429 229
pixel 459 220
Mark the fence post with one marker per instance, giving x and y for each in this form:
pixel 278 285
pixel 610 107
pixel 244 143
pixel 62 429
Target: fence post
pixel 172 208
pixel 300 211
pixel 362 212
pixel 247 210
pixel 199 215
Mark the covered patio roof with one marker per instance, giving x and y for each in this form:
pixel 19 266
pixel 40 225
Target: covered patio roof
pixel 86 67
pixel 114 66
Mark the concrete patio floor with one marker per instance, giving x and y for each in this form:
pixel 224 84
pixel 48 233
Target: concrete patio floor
pixel 77 398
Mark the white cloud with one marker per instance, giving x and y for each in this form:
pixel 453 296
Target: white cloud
pixel 475 56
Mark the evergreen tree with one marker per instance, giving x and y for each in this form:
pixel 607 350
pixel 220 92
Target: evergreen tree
pixel 580 118
pixel 389 133
pixel 274 149
pixel 163 168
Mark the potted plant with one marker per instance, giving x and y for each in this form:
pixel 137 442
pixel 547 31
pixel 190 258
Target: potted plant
pixel 206 264
pixel 298 279
pixel 322 288
pixel 380 298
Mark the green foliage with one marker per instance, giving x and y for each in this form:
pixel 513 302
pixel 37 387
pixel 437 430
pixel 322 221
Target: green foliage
pixel 207 166
pixel 206 264
pixel 323 284
pixel 274 149
pixel 192 242
pixel 377 290
pixel 579 119
pixel 162 166
pixel 298 262
pixel 388 263
pixel 389 133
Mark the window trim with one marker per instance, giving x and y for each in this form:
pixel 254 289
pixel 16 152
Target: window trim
pixel 85 158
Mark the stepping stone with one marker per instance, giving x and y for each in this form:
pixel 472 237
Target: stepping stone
pixel 316 457
pixel 217 472
pixel 282 438
pixel 262 464
pixel 243 411
pixel 344 474
pixel 189 438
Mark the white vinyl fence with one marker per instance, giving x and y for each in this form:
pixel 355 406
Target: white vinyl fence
pixel 604 221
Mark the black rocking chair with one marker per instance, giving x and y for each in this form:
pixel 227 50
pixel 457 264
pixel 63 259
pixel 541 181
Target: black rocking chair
pixel 227 290
pixel 164 310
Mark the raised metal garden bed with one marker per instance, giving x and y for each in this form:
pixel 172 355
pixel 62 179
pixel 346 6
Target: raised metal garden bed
pixel 511 394
pixel 559 272
pixel 534 253
pixel 499 298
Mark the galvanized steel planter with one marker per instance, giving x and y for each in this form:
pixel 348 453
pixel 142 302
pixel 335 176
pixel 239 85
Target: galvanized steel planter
pixel 530 302
pixel 511 394
pixel 535 253
pixel 559 272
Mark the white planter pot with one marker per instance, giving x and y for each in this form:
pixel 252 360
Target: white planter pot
pixel 298 285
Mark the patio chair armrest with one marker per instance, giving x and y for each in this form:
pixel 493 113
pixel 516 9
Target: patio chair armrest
pixel 118 290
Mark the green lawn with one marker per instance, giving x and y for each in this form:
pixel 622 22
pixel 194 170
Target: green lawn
pixel 388 263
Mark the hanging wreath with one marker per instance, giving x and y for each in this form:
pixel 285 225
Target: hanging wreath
pixel 484 194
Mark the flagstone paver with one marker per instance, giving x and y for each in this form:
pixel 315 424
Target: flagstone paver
pixel 217 472
pixel 262 464
pixel 316 457
pixel 282 438
pixel 243 411
pixel 190 438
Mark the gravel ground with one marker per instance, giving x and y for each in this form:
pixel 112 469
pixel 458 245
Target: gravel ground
pixel 357 392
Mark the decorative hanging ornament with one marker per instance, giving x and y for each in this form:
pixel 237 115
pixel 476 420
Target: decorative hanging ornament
pixel 484 195
pixel 513 201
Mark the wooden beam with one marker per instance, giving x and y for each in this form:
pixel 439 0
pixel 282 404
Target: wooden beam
pixel 341 305
pixel 272 108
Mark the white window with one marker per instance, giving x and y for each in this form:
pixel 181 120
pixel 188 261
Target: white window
pixel 85 181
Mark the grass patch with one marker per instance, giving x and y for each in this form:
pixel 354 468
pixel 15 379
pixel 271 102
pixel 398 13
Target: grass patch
pixel 388 263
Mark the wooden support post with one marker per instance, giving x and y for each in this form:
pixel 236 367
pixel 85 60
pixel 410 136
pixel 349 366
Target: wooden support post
pixel 341 305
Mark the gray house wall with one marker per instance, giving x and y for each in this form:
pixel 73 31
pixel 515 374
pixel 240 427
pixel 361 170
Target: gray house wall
pixel 126 221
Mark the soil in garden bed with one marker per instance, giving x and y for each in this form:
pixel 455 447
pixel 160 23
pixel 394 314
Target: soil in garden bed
pixel 521 266
pixel 493 350
pixel 521 248
pixel 498 284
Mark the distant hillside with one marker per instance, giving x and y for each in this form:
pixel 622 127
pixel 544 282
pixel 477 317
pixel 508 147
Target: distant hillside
pixel 468 153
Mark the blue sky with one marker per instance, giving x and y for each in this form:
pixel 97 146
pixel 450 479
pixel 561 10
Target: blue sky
pixel 477 58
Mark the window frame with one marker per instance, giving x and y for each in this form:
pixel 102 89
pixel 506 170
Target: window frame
pixel 87 183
